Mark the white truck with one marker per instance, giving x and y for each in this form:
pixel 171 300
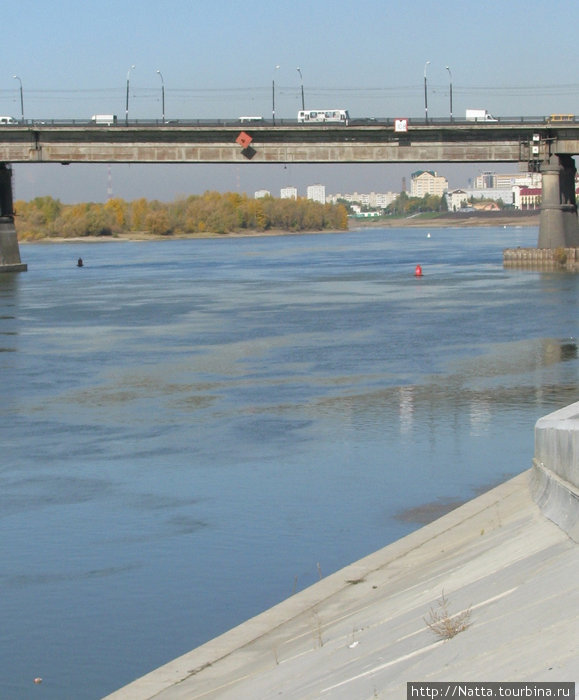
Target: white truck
pixel 479 115
pixel 104 119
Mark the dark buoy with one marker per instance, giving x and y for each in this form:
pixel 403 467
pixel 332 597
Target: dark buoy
pixel 418 271
pixel 79 262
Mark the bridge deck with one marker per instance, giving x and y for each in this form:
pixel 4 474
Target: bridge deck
pixel 185 142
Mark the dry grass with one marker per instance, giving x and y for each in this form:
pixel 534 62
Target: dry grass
pixel 443 623
pixel 316 626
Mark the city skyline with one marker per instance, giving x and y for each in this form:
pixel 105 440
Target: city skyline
pixel 168 182
pixel 489 184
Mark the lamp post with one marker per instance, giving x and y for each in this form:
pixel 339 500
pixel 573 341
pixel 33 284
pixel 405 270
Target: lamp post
pixel 127 102
pixel 302 84
pixel 162 94
pixel 21 96
pixel 450 75
pixel 425 93
pixel 273 96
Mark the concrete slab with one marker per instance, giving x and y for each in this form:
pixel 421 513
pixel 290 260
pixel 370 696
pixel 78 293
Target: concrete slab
pixel 362 632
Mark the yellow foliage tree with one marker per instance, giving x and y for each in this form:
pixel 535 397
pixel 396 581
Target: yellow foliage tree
pixel 118 207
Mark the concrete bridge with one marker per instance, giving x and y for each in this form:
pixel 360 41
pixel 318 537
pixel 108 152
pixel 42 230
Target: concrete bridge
pixel 539 144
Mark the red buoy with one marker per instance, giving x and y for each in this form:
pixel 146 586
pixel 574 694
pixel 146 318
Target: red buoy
pixel 418 271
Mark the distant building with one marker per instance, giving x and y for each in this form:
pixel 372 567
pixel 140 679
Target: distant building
pixel 288 193
pixel 456 199
pixel 317 193
pixel 423 182
pixel 500 181
pixel 262 193
pixel 527 198
pixel 367 214
pixel 375 200
pixel 502 194
pixel 381 200
pixel 486 206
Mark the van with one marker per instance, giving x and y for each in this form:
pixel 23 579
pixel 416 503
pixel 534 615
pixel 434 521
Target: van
pixel 7 120
pixel 479 115
pixel 104 119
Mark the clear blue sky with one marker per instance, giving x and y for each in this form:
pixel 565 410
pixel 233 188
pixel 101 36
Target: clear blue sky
pixel 218 59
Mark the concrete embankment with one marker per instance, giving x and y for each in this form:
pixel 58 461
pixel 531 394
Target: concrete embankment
pixel 506 565
pixel 562 259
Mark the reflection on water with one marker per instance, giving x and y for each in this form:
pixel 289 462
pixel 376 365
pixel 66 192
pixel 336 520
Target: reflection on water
pixel 190 428
pixel 406 394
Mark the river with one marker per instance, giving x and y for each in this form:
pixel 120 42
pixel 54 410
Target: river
pixel 193 430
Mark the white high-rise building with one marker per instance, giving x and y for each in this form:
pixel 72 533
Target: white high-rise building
pixel 317 193
pixel 288 193
pixel 262 193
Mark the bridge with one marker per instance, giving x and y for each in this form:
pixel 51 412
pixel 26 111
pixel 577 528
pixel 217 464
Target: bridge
pixel 540 144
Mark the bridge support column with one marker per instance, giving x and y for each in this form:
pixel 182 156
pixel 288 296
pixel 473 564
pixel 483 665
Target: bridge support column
pixel 9 250
pixel 558 226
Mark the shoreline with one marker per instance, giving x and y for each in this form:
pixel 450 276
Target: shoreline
pixel 451 221
pixel 469 220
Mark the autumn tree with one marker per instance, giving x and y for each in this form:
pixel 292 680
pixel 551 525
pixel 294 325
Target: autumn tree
pixel 118 208
pixel 211 212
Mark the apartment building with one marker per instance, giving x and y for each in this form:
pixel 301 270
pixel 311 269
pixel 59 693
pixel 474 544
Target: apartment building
pixel 373 200
pixel 317 193
pixel 288 193
pixel 423 182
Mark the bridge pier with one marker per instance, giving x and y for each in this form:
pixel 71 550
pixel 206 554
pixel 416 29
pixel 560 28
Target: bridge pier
pixel 9 250
pixel 558 224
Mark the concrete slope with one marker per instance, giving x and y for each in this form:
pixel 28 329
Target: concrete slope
pixel 361 633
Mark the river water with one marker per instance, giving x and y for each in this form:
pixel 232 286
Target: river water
pixel 193 430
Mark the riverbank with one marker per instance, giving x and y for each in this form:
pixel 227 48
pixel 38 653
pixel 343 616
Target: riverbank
pixel 481 219
pixel 146 236
pixel 484 594
pixel 496 575
pixel 450 220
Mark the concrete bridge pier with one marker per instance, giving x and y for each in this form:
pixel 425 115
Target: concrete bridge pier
pixel 558 225
pixel 9 250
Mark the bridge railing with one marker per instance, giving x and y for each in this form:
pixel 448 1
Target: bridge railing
pixel 354 121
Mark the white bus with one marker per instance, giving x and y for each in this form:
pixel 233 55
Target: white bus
pixel 339 116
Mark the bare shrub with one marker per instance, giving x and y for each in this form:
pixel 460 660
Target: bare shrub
pixel 442 623
pixel 560 256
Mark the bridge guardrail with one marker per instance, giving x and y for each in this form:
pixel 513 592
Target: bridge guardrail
pixel 269 123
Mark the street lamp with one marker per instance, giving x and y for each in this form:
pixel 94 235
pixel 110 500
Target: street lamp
pixel 162 94
pixel 302 82
pixel 425 93
pixel 273 96
pixel 450 75
pixel 21 96
pixel 127 103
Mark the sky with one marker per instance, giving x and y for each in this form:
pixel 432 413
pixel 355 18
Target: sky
pixel 219 59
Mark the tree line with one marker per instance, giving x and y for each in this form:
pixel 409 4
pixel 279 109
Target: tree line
pixel 211 212
pixel 405 205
